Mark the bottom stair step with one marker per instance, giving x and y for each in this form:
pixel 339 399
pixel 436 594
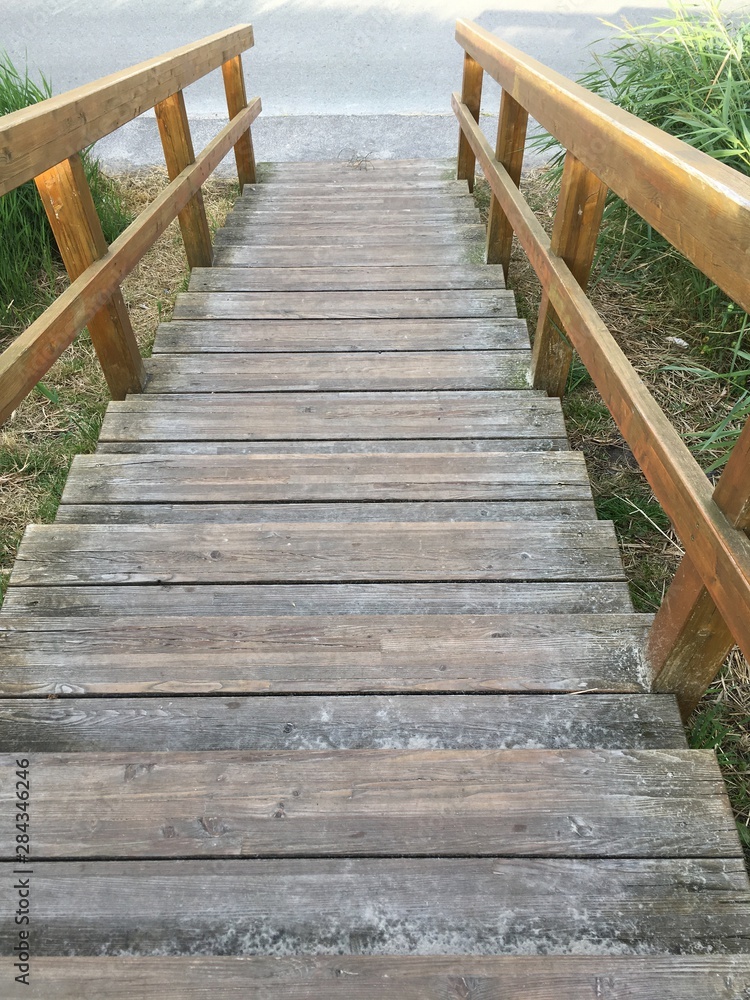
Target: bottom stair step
pixel 360 977
pixel 397 906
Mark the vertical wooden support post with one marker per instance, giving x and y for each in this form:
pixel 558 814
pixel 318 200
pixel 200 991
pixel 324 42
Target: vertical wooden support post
pixel 574 234
pixel 471 96
pixel 689 639
pixel 70 208
pixel 509 149
pixel 174 129
pixel 234 85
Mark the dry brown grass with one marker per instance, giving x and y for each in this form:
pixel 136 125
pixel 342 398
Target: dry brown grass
pixel 38 442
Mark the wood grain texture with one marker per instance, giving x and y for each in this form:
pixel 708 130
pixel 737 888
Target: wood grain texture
pixel 574 234
pixel 582 597
pixel 435 304
pixel 323 446
pixel 174 130
pixel 509 149
pixel 329 234
pixel 234 87
pixel 36 138
pixel 344 722
pixel 332 279
pixel 306 372
pixel 358 217
pixel 253 336
pixel 483 803
pixel 329 416
pixel 244 478
pixel 389 906
pixel 347 251
pixel 680 191
pixel 358 977
pixel 370 510
pixel 69 206
pixel 720 551
pixel 277 552
pixel 345 653
pixel 471 95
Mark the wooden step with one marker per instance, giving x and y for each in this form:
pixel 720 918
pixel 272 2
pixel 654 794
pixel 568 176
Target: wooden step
pixel 305 372
pixel 370 510
pixel 517 598
pixel 366 235
pixel 457 303
pixel 346 252
pixel 347 199
pixel 361 977
pixel 343 552
pixel 254 335
pixel 324 416
pixel 320 446
pixel 386 803
pixel 275 213
pixel 237 478
pixel 343 722
pixel 117 652
pixel 478 906
pixel 328 279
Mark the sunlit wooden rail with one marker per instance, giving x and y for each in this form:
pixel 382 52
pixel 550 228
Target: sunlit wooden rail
pixel 703 208
pixel 43 143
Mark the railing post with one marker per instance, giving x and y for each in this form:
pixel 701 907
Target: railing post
pixel 471 96
pixel 574 234
pixel 174 129
pixel 234 85
pixel 509 149
pixel 689 639
pixel 70 208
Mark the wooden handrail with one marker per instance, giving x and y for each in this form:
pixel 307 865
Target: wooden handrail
pixel 43 142
pixel 38 137
pixel 678 190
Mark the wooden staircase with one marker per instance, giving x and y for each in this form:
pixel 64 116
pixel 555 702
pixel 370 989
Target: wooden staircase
pixel 327 673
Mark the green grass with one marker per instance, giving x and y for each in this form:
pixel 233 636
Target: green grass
pixel 28 255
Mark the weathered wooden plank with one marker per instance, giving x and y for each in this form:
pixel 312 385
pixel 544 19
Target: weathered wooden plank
pixel 330 416
pixel 278 552
pixel 238 478
pixel 471 95
pixel 338 372
pixel 236 336
pixel 459 303
pixel 321 446
pixel 365 169
pixel 347 252
pixel 345 653
pixel 394 196
pixel 226 513
pixel 298 722
pixel 388 906
pixel 361 977
pixel 412 236
pixel 582 597
pixel 483 803
pixel 510 146
pixel 276 214
pixel 347 279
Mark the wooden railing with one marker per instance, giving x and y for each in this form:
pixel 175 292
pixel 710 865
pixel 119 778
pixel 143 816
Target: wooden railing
pixel 44 141
pixel 703 208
